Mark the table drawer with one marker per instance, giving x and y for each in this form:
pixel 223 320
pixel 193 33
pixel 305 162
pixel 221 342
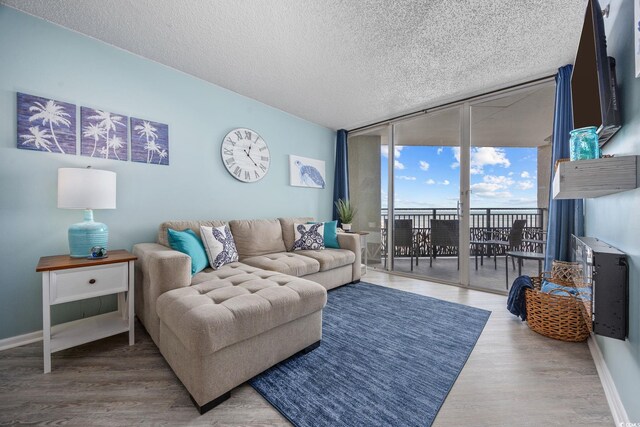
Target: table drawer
pixel 87 282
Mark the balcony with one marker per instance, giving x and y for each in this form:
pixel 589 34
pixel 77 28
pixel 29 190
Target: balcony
pixel 485 224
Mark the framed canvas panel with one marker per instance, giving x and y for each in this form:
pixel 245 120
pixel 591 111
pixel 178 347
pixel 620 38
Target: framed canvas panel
pixel 103 134
pixel 46 124
pixel 149 142
pixel 305 172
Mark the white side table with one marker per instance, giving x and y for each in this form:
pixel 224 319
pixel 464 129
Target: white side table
pixel 363 246
pixel 66 279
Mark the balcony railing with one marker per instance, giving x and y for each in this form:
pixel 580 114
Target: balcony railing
pixel 487 223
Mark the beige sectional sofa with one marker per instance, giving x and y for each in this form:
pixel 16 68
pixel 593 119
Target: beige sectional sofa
pixel 219 328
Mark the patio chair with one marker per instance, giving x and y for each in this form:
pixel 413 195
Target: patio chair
pixel 444 233
pixel 403 241
pixel 513 241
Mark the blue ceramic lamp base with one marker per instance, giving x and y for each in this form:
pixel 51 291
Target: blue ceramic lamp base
pixel 86 234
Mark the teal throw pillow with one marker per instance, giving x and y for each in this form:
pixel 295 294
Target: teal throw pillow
pixel 189 243
pixel 330 234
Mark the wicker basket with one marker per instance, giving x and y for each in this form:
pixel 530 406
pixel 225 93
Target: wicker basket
pixel 557 315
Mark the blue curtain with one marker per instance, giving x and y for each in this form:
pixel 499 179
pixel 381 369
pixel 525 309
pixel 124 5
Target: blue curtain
pixel 341 177
pixel 565 216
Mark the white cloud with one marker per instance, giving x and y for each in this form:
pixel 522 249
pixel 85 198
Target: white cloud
pixel 503 181
pixel 445 182
pixel 456 155
pixel 398 165
pixel 525 174
pixel 384 150
pixel 424 165
pixel 440 150
pixel 485 187
pixel 406 178
pixel 494 195
pixel 510 173
pixel 493 186
pixel 525 185
pixel 481 157
pixel 430 182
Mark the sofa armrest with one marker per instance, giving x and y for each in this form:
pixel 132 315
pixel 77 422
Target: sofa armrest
pixel 165 268
pixel 351 242
pixel 158 269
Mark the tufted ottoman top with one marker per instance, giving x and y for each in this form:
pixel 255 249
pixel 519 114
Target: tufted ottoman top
pixel 235 303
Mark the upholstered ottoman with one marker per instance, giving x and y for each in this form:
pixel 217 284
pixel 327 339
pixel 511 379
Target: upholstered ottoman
pixel 233 324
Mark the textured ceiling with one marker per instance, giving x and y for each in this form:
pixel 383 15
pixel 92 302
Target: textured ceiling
pixel 337 63
pixel 524 119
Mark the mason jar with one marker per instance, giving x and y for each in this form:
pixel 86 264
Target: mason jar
pixel 583 144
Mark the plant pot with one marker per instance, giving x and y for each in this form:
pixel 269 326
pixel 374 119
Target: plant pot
pixel 346 227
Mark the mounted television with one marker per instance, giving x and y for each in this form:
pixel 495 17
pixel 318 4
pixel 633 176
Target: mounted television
pixel 593 81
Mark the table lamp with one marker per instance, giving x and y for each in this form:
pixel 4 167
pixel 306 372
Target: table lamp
pixel 86 189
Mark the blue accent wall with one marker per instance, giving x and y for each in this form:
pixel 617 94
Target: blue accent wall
pixel 614 219
pixel 39 58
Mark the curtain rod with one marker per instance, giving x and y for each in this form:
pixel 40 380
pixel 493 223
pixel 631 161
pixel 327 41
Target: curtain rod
pixel 426 110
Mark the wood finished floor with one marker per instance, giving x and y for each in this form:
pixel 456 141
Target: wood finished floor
pixel 513 377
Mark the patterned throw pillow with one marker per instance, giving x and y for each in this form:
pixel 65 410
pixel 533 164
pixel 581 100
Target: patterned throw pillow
pixel 220 246
pixel 308 236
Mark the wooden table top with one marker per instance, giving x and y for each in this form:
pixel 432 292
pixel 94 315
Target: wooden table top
pixel 61 262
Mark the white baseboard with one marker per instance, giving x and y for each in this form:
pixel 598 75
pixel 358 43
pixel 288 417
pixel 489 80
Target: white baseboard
pixel 620 416
pixel 19 340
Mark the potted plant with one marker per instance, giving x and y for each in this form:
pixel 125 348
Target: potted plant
pixel 346 212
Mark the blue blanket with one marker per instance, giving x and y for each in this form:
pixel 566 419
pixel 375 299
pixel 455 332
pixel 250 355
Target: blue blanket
pixel 516 302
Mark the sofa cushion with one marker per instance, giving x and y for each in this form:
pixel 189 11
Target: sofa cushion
pixel 219 244
pixel 288 231
pixel 330 258
pixel 257 237
pixel 189 243
pixel 285 263
pixel 240 303
pixel 183 225
pixel 309 236
pixel 330 234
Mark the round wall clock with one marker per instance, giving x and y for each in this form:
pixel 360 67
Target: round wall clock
pixel 245 155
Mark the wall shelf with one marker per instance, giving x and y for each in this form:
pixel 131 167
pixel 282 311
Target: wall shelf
pixel 585 179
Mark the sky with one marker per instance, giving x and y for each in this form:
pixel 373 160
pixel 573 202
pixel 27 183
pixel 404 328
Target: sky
pixel 429 177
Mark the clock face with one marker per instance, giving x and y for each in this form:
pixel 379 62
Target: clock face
pixel 245 155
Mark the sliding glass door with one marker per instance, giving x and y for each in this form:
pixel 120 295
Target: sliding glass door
pixel 426 184
pixel 442 191
pixel 509 176
pixel 368 181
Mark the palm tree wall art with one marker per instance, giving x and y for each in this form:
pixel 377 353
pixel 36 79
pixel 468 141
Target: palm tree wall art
pixel 104 134
pixel 149 142
pixel 46 124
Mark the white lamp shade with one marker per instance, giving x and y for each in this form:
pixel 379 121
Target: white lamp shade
pixel 86 189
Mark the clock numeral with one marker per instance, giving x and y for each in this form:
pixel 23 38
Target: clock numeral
pixel 263 167
pixel 238 134
pixel 264 158
pixel 263 148
pixel 228 151
pixel 231 141
pixel 230 161
pixel 248 135
pixel 237 171
pixel 247 175
pixel 256 174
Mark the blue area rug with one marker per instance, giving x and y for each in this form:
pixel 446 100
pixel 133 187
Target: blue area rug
pixel 388 358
